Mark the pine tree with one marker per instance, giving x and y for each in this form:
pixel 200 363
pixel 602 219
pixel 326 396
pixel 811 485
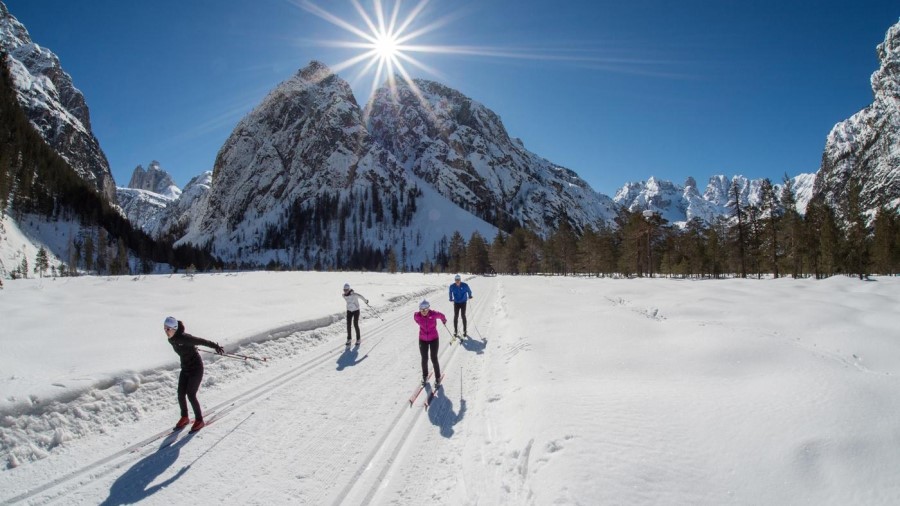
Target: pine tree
pixel 739 215
pixel 791 229
pixel 635 231
pixel 102 251
pixel 457 252
pixel 821 238
pixel 772 216
pixel 885 252
pixel 716 253
pixel 561 250
pixel 857 257
pixel 41 262
pixel 392 261
pixel 89 253
pixel 589 253
pixel 477 257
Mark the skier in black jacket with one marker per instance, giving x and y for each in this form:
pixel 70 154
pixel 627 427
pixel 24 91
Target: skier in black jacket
pixel 185 345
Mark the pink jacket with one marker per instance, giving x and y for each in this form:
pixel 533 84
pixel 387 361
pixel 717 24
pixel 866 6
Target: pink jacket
pixel 428 324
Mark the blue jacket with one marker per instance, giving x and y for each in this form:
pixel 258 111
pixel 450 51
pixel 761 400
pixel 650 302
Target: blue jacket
pixel 461 293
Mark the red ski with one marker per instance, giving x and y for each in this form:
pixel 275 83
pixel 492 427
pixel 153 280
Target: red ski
pixel 440 384
pixel 418 390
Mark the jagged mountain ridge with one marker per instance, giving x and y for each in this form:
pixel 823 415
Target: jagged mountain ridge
pixel 154 179
pixel 53 105
pixel 866 147
pixel 155 204
pixel 679 204
pixel 461 148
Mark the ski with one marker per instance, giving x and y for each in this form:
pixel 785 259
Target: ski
pixel 412 398
pixel 434 391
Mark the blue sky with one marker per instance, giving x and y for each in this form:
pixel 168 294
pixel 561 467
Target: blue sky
pixel 617 91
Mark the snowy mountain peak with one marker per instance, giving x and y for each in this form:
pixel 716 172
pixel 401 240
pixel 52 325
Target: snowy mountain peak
pixel 154 179
pixel 462 149
pixel 863 148
pixel 315 72
pixel 53 105
pixel 885 81
pixel 679 205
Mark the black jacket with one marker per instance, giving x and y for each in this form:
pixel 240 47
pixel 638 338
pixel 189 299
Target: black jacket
pixel 185 345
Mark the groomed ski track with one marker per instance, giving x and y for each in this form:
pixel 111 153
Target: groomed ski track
pixel 329 425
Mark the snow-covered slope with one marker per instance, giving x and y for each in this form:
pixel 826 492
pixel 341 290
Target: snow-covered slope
pixel 462 149
pixel 145 209
pixel 866 147
pixel 55 107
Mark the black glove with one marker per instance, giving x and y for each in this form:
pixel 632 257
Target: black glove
pixel 220 350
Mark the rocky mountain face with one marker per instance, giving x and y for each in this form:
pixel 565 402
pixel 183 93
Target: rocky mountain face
pixel 53 105
pixel 157 206
pixel 300 182
pixel 680 204
pixel 154 179
pixel 461 149
pixel 866 147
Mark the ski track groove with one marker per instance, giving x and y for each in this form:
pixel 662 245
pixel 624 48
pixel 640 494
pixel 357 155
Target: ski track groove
pixel 402 435
pixel 219 411
pixel 393 439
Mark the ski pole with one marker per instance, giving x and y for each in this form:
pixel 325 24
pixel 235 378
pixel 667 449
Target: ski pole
pixel 376 312
pixel 452 336
pixel 235 355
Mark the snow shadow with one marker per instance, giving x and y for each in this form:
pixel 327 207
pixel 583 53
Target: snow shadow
pixel 474 345
pixel 350 358
pixel 440 413
pixel 134 485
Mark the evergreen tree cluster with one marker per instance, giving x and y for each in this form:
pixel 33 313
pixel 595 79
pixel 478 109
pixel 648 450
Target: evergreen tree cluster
pixel 343 230
pixel 768 239
pixel 35 180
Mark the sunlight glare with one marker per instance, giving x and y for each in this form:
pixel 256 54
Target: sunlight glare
pixel 386 46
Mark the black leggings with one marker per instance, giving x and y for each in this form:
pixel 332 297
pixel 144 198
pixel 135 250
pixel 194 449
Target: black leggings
pixel 353 316
pixel 188 385
pixel 424 347
pixel 459 307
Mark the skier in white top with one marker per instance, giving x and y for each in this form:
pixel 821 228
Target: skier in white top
pixel 352 300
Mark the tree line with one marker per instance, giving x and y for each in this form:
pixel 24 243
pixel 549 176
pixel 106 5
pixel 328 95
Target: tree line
pixel 767 239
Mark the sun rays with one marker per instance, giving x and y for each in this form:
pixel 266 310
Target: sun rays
pixel 383 38
pixel 387 36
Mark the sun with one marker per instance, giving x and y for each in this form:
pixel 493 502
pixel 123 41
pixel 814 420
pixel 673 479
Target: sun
pixel 386 46
pixel 384 40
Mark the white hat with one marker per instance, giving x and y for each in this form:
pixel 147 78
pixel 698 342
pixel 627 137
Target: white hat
pixel 457 277
pixel 171 322
pixel 346 286
pixel 424 305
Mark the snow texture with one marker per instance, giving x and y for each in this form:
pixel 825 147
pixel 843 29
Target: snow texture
pixel 569 391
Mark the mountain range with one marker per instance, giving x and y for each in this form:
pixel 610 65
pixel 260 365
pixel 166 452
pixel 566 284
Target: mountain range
pixel 310 179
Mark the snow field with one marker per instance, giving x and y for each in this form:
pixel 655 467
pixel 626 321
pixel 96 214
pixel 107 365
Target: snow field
pixel 572 391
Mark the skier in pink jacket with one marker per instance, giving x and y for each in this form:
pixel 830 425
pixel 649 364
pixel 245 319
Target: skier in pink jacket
pixel 429 339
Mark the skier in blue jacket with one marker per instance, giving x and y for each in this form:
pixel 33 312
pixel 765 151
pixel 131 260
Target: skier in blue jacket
pixel 460 293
